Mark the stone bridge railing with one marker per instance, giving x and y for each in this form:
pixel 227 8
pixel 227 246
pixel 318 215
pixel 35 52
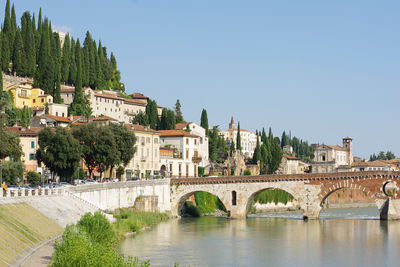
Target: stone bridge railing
pixel 23 192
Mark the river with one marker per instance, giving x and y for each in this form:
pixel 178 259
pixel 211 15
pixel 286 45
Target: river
pixel 342 237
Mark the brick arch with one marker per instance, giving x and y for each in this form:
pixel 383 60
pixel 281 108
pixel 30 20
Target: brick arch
pixel 255 193
pixel 334 187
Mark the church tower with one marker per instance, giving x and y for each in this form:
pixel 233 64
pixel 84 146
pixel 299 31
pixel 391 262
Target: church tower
pixel 348 145
pixel 232 124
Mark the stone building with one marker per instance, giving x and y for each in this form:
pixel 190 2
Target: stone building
pixel 145 162
pixel 248 139
pixel 108 103
pixel 28 138
pixel 331 158
pixel 185 158
pixel 203 140
pixel 24 94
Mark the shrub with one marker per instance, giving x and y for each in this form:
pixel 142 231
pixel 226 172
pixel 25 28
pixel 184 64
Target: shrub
pixel 247 172
pixel 201 171
pixel 11 171
pixel 33 177
pixel 97 227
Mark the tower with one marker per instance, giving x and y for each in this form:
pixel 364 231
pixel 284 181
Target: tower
pixel 232 124
pixel 348 145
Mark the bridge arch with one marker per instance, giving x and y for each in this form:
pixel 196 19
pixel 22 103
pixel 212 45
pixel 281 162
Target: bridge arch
pixel 339 186
pixel 255 193
pixel 179 201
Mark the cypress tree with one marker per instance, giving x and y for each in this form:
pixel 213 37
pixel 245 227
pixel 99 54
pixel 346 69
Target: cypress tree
pixel 7 18
pixel 72 68
pixel 163 121
pixel 204 121
pixel 1 84
pixel 5 52
pixel 100 82
pixel 178 112
pixel 171 120
pixel 29 50
pixel 232 147
pixel 66 58
pixel 17 58
pixel 56 61
pixel 238 139
pixel 13 21
pixel 76 107
pixel 44 77
pixel 46 108
pixel 39 28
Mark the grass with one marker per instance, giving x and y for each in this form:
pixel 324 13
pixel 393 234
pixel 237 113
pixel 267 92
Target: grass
pixel 128 221
pixel 22 227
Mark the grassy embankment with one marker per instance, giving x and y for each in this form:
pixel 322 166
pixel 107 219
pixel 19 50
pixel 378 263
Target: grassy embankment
pixel 93 241
pixel 22 227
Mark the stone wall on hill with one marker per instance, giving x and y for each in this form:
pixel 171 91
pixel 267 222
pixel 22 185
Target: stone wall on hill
pixel 9 80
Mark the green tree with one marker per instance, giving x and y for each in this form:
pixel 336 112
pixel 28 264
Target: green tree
pixel 152 113
pixel 178 112
pixel 141 119
pixel 46 108
pixel 59 151
pixel 204 120
pixel 5 52
pixel 12 171
pixel 44 77
pixel 163 120
pixel 10 145
pixel 171 120
pixel 125 143
pixel 33 177
pixel 232 147
pixel 17 57
pixel 238 139
pixel 29 50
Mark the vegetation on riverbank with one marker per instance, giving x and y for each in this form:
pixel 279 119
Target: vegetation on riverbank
pixel 205 203
pixel 271 196
pixel 128 221
pixel 93 240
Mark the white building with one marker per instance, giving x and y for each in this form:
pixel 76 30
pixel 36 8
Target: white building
pixel 328 158
pixel 248 139
pixel 107 103
pixel 196 129
pixel 179 154
pixel 146 160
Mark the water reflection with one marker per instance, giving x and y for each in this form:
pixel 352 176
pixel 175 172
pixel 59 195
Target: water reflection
pixel 260 241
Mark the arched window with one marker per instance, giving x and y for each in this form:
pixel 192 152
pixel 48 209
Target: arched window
pixel 233 198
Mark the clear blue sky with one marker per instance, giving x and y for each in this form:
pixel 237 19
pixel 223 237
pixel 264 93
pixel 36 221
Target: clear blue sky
pixel 322 69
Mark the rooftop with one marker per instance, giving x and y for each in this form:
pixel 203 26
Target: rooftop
pixel 176 133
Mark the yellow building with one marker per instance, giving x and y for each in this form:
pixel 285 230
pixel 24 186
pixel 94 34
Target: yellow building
pixel 25 95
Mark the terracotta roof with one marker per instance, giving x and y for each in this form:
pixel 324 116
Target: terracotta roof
pixel 181 126
pixel 393 161
pixel 176 133
pixel 23 131
pixel 58 118
pixel 139 96
pixel 134 101
pixel 141 128
pixel 102 118
pixel 289 157
pixel 376 163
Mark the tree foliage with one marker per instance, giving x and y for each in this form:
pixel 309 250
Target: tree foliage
pixel 59 151
pixel 178 112
pixel 32 177
pixel 204 120
pixel 382 156
pixel 11 171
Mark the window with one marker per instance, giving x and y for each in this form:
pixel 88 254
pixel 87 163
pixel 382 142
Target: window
pixel 170 168
pixel 323 157
pixel 42 100
pixel 148 140
pixel 187 141
pixel 155 140
pixel 32 144
pixel 187 153
pixel 155 152
pixel 34 100
pixel 187 170
pixel 57 113
pixel 233 198
pixel 63 114
pixel 195 141
pixel 32 156
pixel 142 139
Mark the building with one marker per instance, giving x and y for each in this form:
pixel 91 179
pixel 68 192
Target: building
pixel 108 103
pixel 196 129
pixel 146 160
pixel 48 120
pixel 248 139
pixel 25 95
pixel 329 158
pixel 28 138
pixel 292 165
pixel 377 165
pixel 184 159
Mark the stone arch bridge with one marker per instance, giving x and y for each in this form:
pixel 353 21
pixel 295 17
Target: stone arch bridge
pixel 310 190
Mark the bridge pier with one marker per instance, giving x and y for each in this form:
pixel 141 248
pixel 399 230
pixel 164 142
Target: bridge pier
pixel 389 209
pixel 311 212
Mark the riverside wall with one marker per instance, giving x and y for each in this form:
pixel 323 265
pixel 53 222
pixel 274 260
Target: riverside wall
pixel 155 194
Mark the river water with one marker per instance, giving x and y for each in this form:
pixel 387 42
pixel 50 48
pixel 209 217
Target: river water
pixel 342 237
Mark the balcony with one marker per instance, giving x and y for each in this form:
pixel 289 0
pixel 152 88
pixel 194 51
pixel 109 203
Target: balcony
pixel 196 159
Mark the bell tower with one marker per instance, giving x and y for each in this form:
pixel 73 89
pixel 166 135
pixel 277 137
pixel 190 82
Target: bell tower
pixel 232 124
pixel 348 145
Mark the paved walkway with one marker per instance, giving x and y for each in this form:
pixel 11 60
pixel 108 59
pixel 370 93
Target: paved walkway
pixel 41 257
